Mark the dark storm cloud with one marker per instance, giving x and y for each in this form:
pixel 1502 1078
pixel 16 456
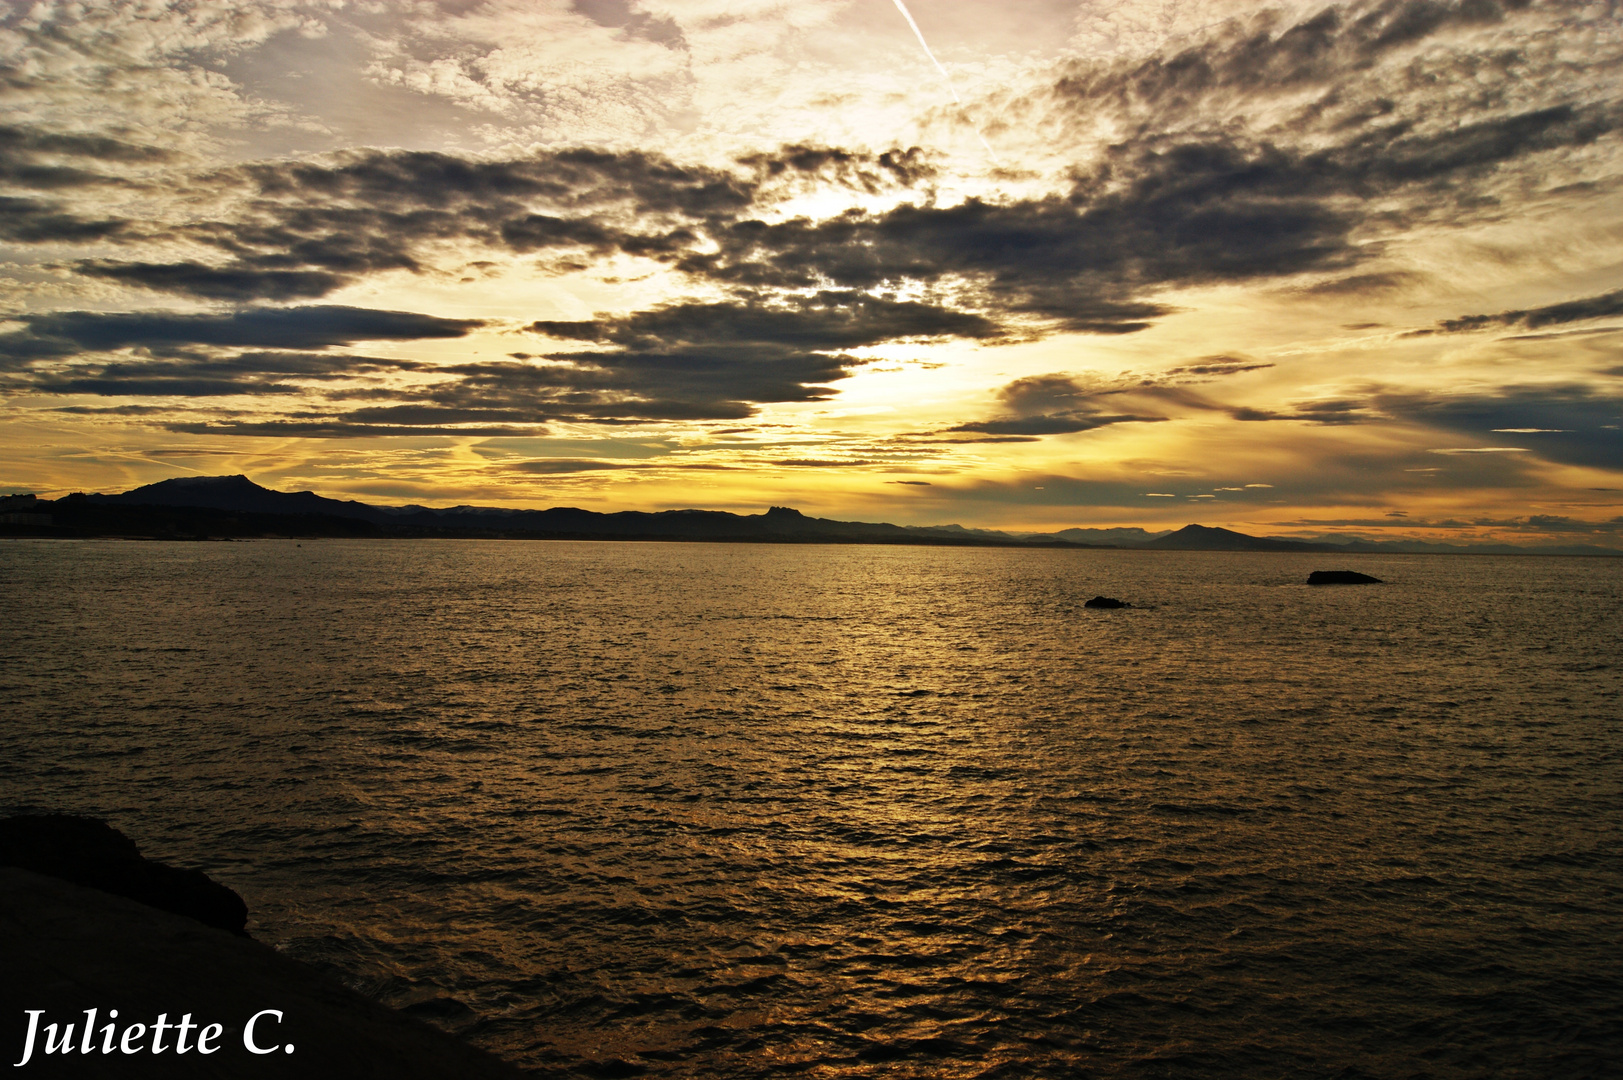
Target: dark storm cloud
pixel 1181 202
pixel 238 282
pixel 17 141
pixel 306 365
pixel 1574 425
pixel 1079 267
pixel 178 355
pixel 309 228
pixel 1190 196
pixel 535 231
pixel 1055 404
pixel 1591 307
pixel 113 410
pixel 1163 211
pixel 847 168
pixel 35 221
pixel 579 178
pixel 713 383
pixel 826 320
pixel 302 252
pixel 316 327
pixel 29 158
pixel 332 428
pixel 716 382
pixel 154 384
pixel 254 373
pixel 1061 403
pixel 1338 411
pixel 692 361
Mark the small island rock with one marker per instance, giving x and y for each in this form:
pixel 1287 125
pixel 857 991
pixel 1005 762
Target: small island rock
pixel 1106 602
pixel 1341 577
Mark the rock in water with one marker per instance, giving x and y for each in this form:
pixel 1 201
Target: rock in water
pixel 1341 577
pixel 92 853
pixel 1106 602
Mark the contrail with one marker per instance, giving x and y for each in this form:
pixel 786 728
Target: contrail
pixel 925 45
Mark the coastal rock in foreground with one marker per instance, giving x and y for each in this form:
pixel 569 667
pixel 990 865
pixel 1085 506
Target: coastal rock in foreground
pixel 1106 602
pixel 69 950
pixel 1341 577
pixel 92 853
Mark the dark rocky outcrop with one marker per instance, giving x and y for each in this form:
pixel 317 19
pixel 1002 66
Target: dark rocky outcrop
pixel 1106 602
pixel 1341 577
pixel 67 950
pixel 92 853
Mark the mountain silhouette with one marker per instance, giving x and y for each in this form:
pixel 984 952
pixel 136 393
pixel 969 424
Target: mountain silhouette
pixel 1206 538
pixel 199 507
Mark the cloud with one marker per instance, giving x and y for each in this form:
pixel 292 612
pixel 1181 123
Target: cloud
pixel 678 362
pixel 1175 207
pixel 1061 403
pixel 1376 283
pixel 67 333
pixel 800 163
pixel 628 17
pixel 40 221
pixel 30 158
pixel 1571 424
pixel 253 373
pixel 1590 307
pixel 1080 266
pixel 1053 425
pixel 826 320
pixel 1189 194
pixel 1330 411
pixel 302 229
pixel 699 360
pixel 239 283
pixel 1055 404
pixel 335 428
pixel 1219 365
pixel 573 177
pixel 564 466
pixel 19 142
pixel 154 384
pixel 818 463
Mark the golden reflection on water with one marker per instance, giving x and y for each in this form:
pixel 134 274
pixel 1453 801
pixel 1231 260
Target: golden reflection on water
pixel 704 810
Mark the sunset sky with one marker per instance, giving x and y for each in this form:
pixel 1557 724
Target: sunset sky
pixel 1293 270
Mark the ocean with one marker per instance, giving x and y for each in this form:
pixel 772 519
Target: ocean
pixel 712 810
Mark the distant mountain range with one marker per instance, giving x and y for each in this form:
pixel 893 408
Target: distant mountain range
pixel 234 506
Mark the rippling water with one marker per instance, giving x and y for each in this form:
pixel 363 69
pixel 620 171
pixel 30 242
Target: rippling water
pixel 686 810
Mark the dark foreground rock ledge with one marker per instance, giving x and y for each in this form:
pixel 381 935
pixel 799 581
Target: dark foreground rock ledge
pixel 88 851
pixel 67 949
